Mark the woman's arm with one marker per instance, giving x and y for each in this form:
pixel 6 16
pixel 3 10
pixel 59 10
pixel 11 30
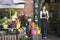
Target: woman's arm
pixel 41 15
pixel 47 15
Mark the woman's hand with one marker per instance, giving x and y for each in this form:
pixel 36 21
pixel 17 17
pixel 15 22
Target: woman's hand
pixel 44 18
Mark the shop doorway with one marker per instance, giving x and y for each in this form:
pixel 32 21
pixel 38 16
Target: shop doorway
pixel 54 13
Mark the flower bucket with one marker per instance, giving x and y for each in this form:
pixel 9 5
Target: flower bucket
pixel 18 24
pixel 13 25
pixel 38 31
pixel 33 31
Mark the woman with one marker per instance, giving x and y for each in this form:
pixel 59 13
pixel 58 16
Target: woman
pixel 44 16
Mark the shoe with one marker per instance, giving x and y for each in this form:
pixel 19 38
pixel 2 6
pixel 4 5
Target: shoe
pixel 44 37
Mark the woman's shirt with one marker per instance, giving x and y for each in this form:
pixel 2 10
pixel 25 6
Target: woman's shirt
pixel 44 15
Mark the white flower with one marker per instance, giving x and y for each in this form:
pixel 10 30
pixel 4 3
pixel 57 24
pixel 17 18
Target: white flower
pixel 26 36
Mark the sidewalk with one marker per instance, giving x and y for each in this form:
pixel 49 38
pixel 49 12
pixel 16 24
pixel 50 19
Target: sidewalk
pixel 50 37
pixel 53 37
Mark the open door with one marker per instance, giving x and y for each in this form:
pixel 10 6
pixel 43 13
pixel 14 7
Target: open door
pixel 53 11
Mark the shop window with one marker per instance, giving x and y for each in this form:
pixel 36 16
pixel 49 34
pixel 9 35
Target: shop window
pixel 50 1
pixel 47 1
pixel 57 1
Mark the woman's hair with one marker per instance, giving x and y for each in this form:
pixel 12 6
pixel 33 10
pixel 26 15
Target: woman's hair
pixel 42 7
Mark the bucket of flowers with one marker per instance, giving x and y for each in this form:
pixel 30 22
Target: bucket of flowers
pixel 25 37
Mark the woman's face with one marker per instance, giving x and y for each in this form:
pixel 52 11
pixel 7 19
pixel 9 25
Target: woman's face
pixel 44 8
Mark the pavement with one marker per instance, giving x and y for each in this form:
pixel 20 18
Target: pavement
pixel 53 37
pixel 50 37
pixel 35 37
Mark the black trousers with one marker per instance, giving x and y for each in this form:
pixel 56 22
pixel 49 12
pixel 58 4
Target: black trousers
pixel 44 25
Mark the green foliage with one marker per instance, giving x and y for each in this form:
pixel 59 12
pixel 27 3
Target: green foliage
pixel 7 12
pixel 25 37
pixel 13 12
pixel 3 20
pixel 12 32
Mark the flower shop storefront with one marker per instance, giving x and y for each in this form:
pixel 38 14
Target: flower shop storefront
pixel 15 19
pixel 10 22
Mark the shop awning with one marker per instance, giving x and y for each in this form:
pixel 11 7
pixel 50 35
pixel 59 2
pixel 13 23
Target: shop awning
pixel 19 1
pixel 11 1
pixel 12 6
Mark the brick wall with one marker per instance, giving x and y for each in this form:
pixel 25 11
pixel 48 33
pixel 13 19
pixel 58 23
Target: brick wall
pixel 28 7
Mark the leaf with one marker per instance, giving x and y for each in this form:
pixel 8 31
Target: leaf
pixel 3 20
